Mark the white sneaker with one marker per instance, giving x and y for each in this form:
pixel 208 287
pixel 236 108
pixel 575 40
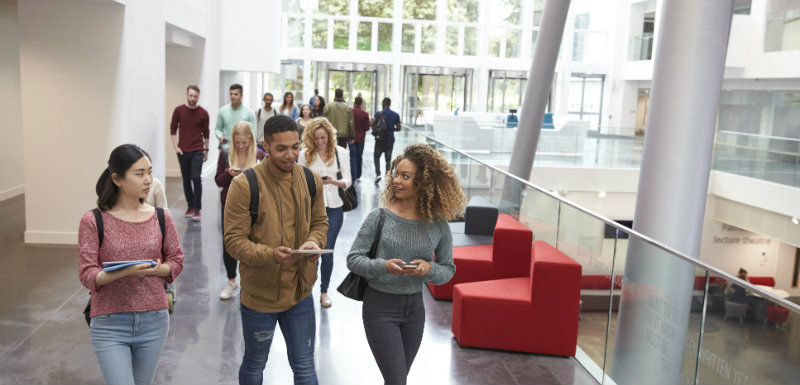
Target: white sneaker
pixel 227 292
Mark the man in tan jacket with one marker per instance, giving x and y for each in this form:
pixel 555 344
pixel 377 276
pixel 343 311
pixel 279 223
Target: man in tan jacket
pixel 276 284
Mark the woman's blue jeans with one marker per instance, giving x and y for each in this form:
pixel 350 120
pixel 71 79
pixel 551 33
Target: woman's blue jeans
pixel 335 219
pixel 128 345
pixel 299 329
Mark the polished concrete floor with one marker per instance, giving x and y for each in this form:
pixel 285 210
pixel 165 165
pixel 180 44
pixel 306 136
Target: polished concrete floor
pixel 44 339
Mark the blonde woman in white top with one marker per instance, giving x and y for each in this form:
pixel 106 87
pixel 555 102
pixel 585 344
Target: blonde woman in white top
pixel 320 155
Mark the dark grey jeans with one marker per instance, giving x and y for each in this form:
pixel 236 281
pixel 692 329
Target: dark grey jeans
pixel 394 324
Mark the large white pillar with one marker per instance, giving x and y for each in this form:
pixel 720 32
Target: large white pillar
pixel 537 91
pixel 656 296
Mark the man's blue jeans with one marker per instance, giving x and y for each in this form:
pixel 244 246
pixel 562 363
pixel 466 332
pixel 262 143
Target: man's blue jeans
pixel 128 345
pixel 356 159
pixel 299 329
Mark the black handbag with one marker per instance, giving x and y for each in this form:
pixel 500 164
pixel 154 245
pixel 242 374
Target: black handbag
pixel 349 196
pixel 353 286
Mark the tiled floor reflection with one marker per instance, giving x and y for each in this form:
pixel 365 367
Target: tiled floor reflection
pixel 44 339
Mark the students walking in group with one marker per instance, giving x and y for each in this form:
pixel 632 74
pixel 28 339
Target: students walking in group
pixel 189 134
pixel 242 155
pixel 288 108
pixel 422 195
pixel 276 283
pixel 323 156
pixel 129 317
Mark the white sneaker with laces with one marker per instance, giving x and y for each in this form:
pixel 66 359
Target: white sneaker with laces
pixel 227 292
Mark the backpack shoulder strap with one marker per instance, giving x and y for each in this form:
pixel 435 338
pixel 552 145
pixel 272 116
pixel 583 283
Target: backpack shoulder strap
pixel 98 219
pixel 161 226
pixel 312 186
pixel 253 182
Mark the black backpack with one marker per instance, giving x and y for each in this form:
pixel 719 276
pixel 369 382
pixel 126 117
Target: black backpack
pixel 380 127
pixel 253 182
pixel 98 218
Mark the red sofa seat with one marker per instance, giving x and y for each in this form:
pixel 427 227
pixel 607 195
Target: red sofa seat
pixel 508 256
pixel 777 314
pixel 765 281
pixel 534 314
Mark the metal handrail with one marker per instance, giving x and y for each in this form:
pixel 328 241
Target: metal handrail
pixel 696 262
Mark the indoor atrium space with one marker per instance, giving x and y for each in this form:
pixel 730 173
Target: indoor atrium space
pixel 630 172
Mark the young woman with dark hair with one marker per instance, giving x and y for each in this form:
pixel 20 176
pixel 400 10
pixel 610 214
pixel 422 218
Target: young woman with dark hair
pixel 130 320
pixel 318 108
pixel 288 108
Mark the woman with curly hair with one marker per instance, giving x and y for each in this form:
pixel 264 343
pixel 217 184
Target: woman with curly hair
pixel 423 194
pixel 321 154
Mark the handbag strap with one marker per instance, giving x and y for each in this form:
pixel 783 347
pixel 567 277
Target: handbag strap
pixel 374 249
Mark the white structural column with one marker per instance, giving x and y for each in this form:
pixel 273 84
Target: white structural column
pixel 540 80
pixel 652 327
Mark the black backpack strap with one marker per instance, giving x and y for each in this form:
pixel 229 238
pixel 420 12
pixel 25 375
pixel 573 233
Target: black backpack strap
pixel 374 249
pixel 98 219
pixel 253 182
pixel 162 226
pixel 312 186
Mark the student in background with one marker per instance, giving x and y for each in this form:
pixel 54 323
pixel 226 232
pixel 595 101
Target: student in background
pixel 360 126
pixel 288 108
pixel 130 320
pixel 242 155
pixel 304 119
pixel 318 107
pixel 189 134
pixel 156 197
pixel 262 114
pixel 320 154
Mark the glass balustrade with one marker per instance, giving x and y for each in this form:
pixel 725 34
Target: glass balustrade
pixel 682 325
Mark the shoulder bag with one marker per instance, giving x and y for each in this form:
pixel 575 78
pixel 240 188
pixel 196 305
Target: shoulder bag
pixel 349 196
pixel 354 285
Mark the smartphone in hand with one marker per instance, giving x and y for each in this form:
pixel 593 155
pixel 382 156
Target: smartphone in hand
pixel 324 178
pixel 410 265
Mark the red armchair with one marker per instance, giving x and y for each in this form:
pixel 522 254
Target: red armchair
pixel 508 256
pixel 534 314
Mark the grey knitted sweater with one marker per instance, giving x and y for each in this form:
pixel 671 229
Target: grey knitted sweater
pixel 407 240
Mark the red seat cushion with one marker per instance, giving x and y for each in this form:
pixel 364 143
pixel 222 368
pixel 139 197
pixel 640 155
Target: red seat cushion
pixel 777 314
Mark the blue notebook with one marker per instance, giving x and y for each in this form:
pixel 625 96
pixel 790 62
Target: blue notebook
pixel 111 266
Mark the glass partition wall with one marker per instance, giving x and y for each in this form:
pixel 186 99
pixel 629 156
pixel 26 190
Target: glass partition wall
pixel 684 324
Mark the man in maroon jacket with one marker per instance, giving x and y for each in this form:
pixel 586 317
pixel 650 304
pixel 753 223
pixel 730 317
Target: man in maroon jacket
pixel 360 126
pixel 189 132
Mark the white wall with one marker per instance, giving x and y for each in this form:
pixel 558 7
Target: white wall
pixel 785 269
pixel 105 64
pixel 70 51
pixel 250 33
pixel 12 176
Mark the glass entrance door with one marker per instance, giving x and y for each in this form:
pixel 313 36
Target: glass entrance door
pixel 429 90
